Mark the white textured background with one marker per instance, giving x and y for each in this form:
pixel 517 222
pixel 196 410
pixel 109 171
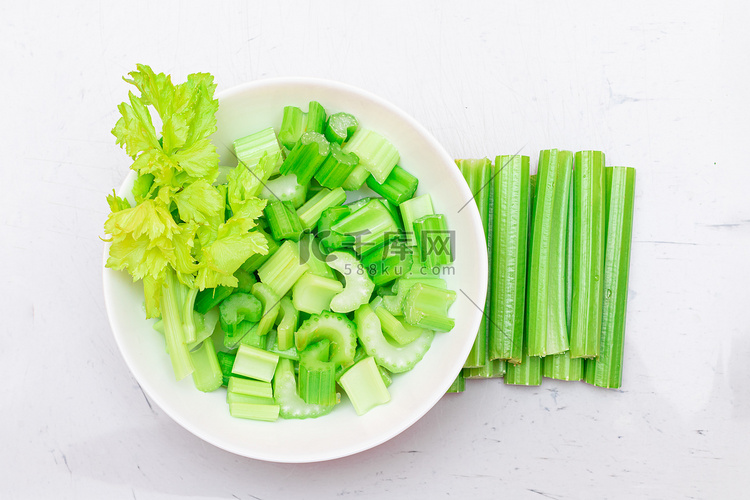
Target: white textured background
pixel 659 87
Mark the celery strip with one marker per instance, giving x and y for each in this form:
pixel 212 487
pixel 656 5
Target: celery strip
pixel 254 262
pixel 376 154
pixel 256 363
pixel 606 370
pixel 226 360
pixel 316 382
pixel 312 294
pixel 412 210
pixel 285 393
pixel 295 123
pixel 289 317
pixel 310 212
pixel 434 240
pixel 340 127
pixel 333 327
pixel 306 157
pixel 527 372
pixel 358 287
pixel 263 412
pixel 329 239
pixel 398 187
pixel 173 329
pixel 311 252
pixel 283 220
pixel 458 385
pixel 400 332
pixel 207 375
pixel 494 368
pixel 547 309
pixel 272 346
pixel 356 179
pixel 370 225
pixel 211 297
pixel 334 171
pixel 510 213
pixel 427 306
pixel 233 397
pixel 247 387
pixel 245 280
pixel 588 255
pixel 270 301
pixel 364 386
pixel 283 269
pixel 562 367
pixel 251 148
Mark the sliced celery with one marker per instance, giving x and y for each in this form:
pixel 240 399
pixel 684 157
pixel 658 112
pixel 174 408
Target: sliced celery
pixel 364 386
pixel 316 382
pixel 173 329
pixel 207 375
pixel 270 300
pixel 606 370
pixel 233 397
pixel 295 122
pixel 336 168
pixel 340 127
pixel 285 188
pixel 562 367
pixel 206 324
pixel 316 118
pixel 400 332
pixel 527 372
pixel 226 360
pixel 434 241
pixel 493 368
pixel 398 187
pixel 283 269
pixel 331 326
pixel 477 173
pixel 376 154
pixel 588 255
pixel 395 304
pixel 211 297
pixel 247 387
pixel 264 412
pixel 331 240
pixel 427 306
pixel 255 363
pixel 237 308
pixel 358 287
pixel 397 359
pixel 356 179
pixel 509 244
pixel 310 212
pixel 388 269
pixel 311 252
pixel 412 210
pixel 251 148
pixel 283 219
pixel 272 345
pixel 285 394
pixel 312 294
pixel 306 156
pixel 245 280
pixel 370 225
pixel 253 263
pixel 547 310
pixel 287 324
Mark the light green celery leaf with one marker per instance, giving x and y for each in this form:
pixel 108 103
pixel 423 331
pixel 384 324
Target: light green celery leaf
pixel 116 203
pixel 201 87
pixel 246 182
pixel 232 247
pixel 199 159
pixel 200 202
pixel 156 89
pixel 134 129
pixel 152 289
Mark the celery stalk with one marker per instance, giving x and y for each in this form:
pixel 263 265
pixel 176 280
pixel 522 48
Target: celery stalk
pixel 283 220
pixel 264 412
pixel 287 324
pixel 364 386
pixel 255 363
pixel 207 375
pixel 358 287
pixel 412 210
pixel 398 187
pixel 427 306
pixel 340 127
pixel 562 367
pixel 312 294
pixel 310 212
pixel 285 393
pixel 285 188
pixel 334 171
pixel 283 269
pixel 270 301
pixel 250 149
pixel 306 157
pixel 376 154
pixel 458 385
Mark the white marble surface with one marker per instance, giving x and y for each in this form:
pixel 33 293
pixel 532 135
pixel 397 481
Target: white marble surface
pixel 659 86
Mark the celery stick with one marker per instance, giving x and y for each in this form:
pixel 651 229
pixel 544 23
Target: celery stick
pixel 250 149
pixel 312 294
pixel 283 269
pixel 562 367
pixel 310 212
pixel 364 386
pixel 287 324
pixel 398 187
pixel 247 387
pixel 264 412
pixel 412 210
pixel 311 252
pixel 306 157
pixel 329 239
pixel 255 363
pixel 427 306
pixel 285 393
pixel 340 127
pixel 226 360
pixel 376 154
pixel 509 245
pixel 356 179
pixel 173 329
pixel 548 332
pixel 588 255
pixel 245 280
pixel 527 372
pixel 283 220
pixel 270 301
pixel 336 328
pixel 458 385
pixel 434 240
pixel 494 368
pixel 254 262
pixel 211 297
pixel 207 375
pixel 400 332
pixel 477 175
pixel 334 171
pixel 370 225
pixel 358 287
pixel 233 397
pixel 606 370
pixel 237 308
pixel 316 383
pixel 205 324
pixel 295 123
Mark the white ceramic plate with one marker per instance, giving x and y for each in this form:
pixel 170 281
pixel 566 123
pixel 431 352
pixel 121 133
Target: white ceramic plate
pixel 246 109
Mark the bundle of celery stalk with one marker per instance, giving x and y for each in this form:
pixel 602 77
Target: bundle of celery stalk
pixel 559 250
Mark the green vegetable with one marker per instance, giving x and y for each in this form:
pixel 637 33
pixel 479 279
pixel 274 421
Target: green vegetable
pixel 398 187
pixel 412 210
pixel 272 346
pixel 255 261
pixel 239 307
pixel 358 287
pixel 247 387
pixel 255 363
pixel 547 308
pixel 606 370
pixel 333 327
pixel 285 188
pixel 310 212
pixel 494 368
pixel 458 385
pixel 434 241
pixel 527 372
pixel 283 219
pixel 400 332
pixel 364 386
pixel 270 300
pixel 211 297
pixel 306 157
pixel 312 294
pixel 288 318
pixel 207 375
pixel 245 281
pixel 336 168
pixel 588 254
pixel 285 394
pixel 311 252
pixel 254 411
pixel 295 123
pixel 283 269
pixel 340 127
pixel 509 243
pixel 370 225
pixel 376 154
pixel 316 383
pixel 250 149
pixel 427 306
pixel 329 239
pixel 562 367
pixel 226 360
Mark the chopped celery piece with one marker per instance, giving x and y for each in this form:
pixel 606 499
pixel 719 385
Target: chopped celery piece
pixel 357 204
pixel 397 359
pixel 588 255
pixel 188 318
pixel 386 376
pixel 340 127
pixel 245 280
pixel 364 386
pixel 336 168
pixel 287 324
pixel 606 370
pixel 233 397
pixel 546 308
pixel 256 363
pixel 356 179
pixel 434 241
pixel 248 387
pixel 264 412
pixel 397 188
pixel 207 375
pixel 477 173
pixel 270 300
pixel 306 156
pixel 494 368
pixel 395 213
pixel 358 288
pixel 283 269
pixel 205 324
pixel 254 262
pixel 285 394
pixel 412 210
pixel 173 327
pixel 509 244
pixel 331 240
pixel 272 345
pixel 427 306
pixel 295 122
pixel 285 188
pixel 400 332
pixel 371 225
pixel 458 385
pixel 283 219
pixel 239 307
pixel 236 334
pixel 396 305
pixel 376 154
pixel 253 338
pixel 250 149
pixel 388 269
pixel 312 294
pixel 316 382
pixel 331 326
pixel 310 252
pixel 562 367
pixel 226 360
pixel 310 212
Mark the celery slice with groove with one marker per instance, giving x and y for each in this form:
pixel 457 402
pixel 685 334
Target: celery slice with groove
pixel 606 370
pixel 207 375
pixel 358 287
pixel 510 214
pixel 283 220
pixel 434 240
pixel 331 326
pixel 329 239
pixel 272 345
pixel 412 210
pixel 251 148
pixel 398 187
pixel 289 317
pixel 310 212
pixel 316 381
pixel 376 154
pixel 562 367
pixel 427 306
pixel 370 225
pixel 239 307
pixel 270 301
pixel 312 294
pixel 547 309
pixel 285 394
pixel 340 127
pixel 283 269
pixel 334 171
pixel 295 123
pixel 306 157
pixel 588 255
pixel 400 332
pixel 364 385
pixel 255 363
